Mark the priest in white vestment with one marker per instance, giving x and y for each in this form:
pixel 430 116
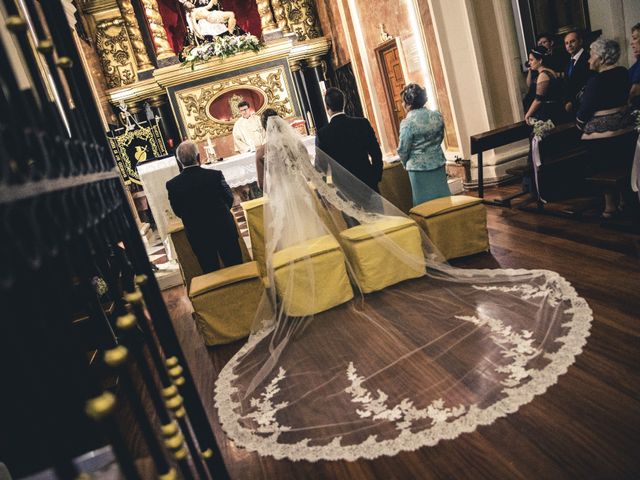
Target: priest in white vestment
pixel 248 133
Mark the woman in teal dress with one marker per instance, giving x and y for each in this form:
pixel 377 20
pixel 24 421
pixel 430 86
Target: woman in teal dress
pixel 421 134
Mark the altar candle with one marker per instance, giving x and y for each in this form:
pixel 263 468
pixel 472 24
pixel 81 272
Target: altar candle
pixel 209 142
pixel 310 120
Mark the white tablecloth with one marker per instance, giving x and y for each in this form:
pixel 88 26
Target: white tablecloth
pixel 240 169
pixel 154 176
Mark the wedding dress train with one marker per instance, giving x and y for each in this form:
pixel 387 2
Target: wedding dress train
pixel 417 362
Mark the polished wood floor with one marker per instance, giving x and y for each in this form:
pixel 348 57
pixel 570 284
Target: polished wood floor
pixel 587 426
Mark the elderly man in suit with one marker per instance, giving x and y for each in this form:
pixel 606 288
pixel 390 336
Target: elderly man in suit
pixel 202 199
pixel 577 72
pixel 350 141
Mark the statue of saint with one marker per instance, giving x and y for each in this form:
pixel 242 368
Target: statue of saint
pixel 208 19
pixel 128 121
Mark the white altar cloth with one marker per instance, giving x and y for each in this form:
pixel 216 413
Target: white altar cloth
pixel 240 169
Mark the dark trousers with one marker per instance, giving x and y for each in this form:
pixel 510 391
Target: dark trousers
pixel 210 251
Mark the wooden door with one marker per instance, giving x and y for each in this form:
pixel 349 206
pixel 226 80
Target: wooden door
pixel 393 81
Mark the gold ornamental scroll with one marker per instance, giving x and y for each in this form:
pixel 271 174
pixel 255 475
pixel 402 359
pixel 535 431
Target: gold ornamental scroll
pixel 114 52
pixel 193 103
pixel 159 34
pixel 303 18
pixel 135 36
pixel 266 16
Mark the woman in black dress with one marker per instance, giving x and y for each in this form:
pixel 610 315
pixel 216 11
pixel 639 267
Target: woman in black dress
pixel 547 104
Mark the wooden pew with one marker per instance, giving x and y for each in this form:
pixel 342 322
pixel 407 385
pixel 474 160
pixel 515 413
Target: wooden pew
pixel 499 137
pixel 561 153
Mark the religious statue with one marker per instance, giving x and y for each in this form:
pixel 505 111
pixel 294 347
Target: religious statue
pixel 384 35
pixel 126 119
pixel 207 19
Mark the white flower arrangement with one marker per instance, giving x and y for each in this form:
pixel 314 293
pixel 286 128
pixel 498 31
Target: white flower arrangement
pixel 541 129
pixel 221 47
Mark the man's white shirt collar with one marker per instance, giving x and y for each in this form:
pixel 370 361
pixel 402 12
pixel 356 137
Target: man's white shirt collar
pixel 577 55
pixel 335 115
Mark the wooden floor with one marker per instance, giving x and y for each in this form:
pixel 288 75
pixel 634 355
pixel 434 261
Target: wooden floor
pixel 587 426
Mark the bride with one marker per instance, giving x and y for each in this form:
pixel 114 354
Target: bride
pixel 398 368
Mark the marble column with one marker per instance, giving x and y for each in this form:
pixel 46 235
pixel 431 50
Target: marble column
pixel 161 108
pixel 313 76
pixel 266 16
pixel 301 92
pixel 281 16
pixel 164 51
pixel 143 61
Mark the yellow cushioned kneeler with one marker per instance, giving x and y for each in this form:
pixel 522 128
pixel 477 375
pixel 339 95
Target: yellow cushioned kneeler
pixel 254 213
pixel 456 225
pixel 226 301
pixel 311 277
pixel 370 248
pixel 395 186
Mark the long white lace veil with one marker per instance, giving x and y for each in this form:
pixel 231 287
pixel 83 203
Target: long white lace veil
pixel 380 370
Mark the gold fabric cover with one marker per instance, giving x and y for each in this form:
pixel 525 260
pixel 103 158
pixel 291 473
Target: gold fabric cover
pixel 395 186
pixel 254 214
pixel 314 262
pixel 189 265
pixel 370 258
pixel 225 302
pixel 456 225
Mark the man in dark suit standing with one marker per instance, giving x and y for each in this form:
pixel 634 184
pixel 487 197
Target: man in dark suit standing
pixel 577 72
pixel 202 199
pixel 350 141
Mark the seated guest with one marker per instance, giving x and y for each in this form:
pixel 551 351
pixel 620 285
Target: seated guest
pixel 604 117
pixel 420 151
pixel 269 112
pixel 547 104
pixel 634 71
pixel 577 71
pixel 202 199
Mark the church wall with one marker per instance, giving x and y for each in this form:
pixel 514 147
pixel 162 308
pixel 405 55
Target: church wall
pixel 615 18
pixel 329 16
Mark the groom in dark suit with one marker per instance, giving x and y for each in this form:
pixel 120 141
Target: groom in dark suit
pixel 350 141
pixel 202 199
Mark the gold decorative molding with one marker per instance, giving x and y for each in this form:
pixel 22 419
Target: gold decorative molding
pixel 96 6
pixel 266 16
pixel 163 49
pixel 193 103
pixel 303 19
pixel 114 51
pixel 135 36
pixel 176 75
pixel 280 15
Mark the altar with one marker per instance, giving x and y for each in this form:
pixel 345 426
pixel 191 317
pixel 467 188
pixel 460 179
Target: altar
pixel 239 172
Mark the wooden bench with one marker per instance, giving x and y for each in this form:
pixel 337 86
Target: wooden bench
pixel 561 153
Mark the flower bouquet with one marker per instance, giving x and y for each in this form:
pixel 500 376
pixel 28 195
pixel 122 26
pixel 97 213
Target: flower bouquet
pixel 541 129
pixel 222 47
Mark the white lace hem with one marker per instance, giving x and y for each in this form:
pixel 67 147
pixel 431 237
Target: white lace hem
pixel 559 362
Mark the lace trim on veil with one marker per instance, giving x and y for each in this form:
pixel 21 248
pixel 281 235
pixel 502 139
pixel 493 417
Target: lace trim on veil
pixel 251 417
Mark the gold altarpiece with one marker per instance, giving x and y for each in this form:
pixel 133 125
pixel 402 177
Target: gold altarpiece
pixel 141 69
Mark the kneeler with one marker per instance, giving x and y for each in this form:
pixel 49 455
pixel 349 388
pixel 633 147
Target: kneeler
pixel 225 302
pixel 254 214
pixel 370 249
pixel 456 225
pixel 311 277
pixel 189 264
